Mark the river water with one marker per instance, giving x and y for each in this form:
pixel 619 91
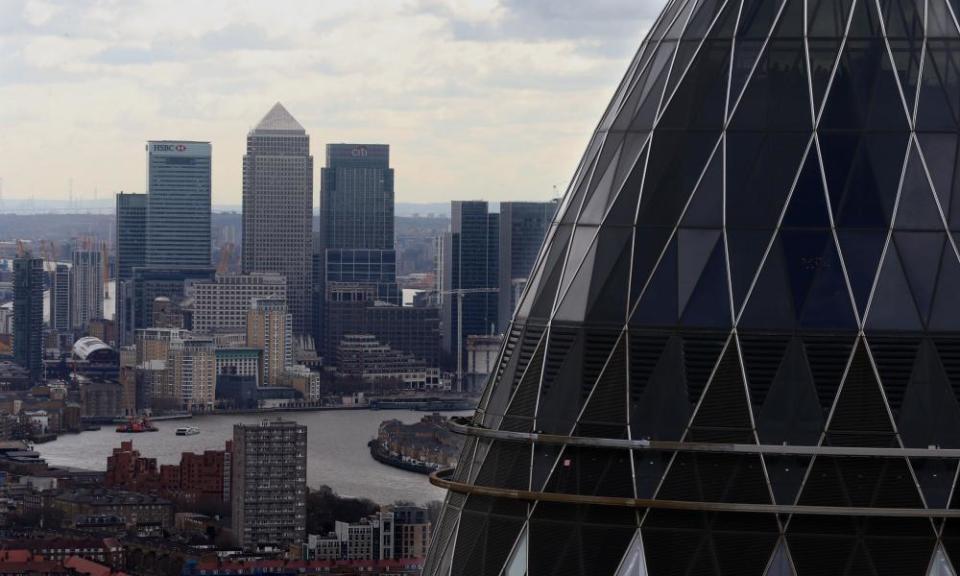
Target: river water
pixel 337 453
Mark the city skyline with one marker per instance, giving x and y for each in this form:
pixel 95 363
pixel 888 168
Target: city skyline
pixel 543 66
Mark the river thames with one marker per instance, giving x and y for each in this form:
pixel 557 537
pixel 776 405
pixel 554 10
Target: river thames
pixel 337 453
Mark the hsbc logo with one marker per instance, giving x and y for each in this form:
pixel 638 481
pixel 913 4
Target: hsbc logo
pixel 169 147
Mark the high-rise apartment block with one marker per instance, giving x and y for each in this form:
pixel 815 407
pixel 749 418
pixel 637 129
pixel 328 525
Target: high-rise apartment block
pixel 193 367
pixel 269 483
pixel 468 277
pixel 28 314
pixel 278 209
pixel 178 203
pixel 523 226
pixel 131 252
pixel 270 328
pixel 60 298
pixel 86 287
pixel 222 305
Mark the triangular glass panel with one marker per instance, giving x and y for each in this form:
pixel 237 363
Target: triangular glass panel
pixel 646 348
pixel 921 254
pixel 780 564
pixel 939 87
pixel 892 306
pixel 930 415
pixel 786 476
pixel 506 465
pixel 653 239
pixel 695 247
pixel 517 562
pixel 940 153
pixel 917 209
pixel 948 350
pixel 520 412
pixel 605 414
pixel 762 356
pixel 559 402
pixel 640 109
pixel 704 16
pixel 747 247
pixel 807 206
pixel 894 358
pixel 823 54
pixel 649 466
pixel 714 477
pixel 863 176
pixel 700 355
pixel 828 18
pixel 592 472
pixel 945 314
pixel 808 248
pixel 757 17
pixel 935 476
pixel 724 412
pixel 542 288
pixel 776 97
pixel 903 18
pixel 791 411
pixel 580 256
pixel 706 207
pixel 680 22
pixel 860 416
pixel 676 161
pixel 828 357
pixel 861 250
pixel 745 55
pixel 865 22
pixel 658 303
pixel 709 304
pixel 634 562
pixel 828 304
pixel 770 303
pixel 790 23
pixel 604 274
pixel 663 409
pixel 940 21
pixel 700 99
pixel 907 55
pixel 602 189
pixel 940 566
pixel 760 172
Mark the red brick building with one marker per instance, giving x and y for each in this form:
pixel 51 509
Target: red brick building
pixel 198 476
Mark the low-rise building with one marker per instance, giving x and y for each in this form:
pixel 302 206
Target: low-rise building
pixel 146 514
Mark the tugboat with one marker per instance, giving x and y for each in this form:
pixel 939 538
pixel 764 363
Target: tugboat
pixel 136 426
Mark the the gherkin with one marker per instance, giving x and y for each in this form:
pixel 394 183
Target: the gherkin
pixel 739 352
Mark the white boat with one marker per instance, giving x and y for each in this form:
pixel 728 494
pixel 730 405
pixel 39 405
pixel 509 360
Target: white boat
pixel 187 431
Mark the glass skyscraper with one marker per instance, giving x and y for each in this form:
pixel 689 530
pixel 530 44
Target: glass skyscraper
pixel 739 350
pixel 178 203
pixel 28 314
pixel 131 252
pixel 523 226
pixel 278 208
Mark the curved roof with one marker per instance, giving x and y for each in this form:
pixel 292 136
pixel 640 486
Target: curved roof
pixel 88 345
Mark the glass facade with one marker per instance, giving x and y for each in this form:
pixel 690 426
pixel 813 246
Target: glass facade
pixel 178 203
pixel 739 349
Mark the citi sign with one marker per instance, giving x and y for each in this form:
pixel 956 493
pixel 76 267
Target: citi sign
pixel 359 152
pixel 169 147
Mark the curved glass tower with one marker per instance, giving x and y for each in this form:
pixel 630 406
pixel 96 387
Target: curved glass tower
pixel 739 351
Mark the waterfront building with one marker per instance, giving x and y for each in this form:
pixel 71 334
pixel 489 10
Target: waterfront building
pixel 468 277
pixel 304 381
pixel 270 328
pixel 86 287
pixel 178 203
pixel 363 357
pixel 222 305
pixel 131 249
pixel 269 484
pixel 745 319
pixel 60 299
pixel 523 226
pixel 278 209
pixel 193 368
pixel 239 362
pixel 28 314
pixel 155 343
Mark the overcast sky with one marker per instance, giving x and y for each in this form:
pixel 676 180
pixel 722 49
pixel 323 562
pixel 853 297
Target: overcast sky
pixel 489 99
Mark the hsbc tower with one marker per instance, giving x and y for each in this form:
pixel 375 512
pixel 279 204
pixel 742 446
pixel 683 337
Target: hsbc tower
pixel 178 203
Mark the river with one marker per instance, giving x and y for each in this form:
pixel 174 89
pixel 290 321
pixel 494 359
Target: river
pixel 337 453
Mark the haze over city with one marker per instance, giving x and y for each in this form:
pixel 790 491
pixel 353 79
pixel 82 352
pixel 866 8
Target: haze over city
pixel 480 99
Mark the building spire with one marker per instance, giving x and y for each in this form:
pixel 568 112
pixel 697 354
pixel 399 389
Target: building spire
pixel 278 120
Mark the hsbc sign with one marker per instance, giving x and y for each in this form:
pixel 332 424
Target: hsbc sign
pixel 194 148
pixel 169 147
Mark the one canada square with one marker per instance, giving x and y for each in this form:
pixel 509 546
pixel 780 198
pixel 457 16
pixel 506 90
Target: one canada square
pixel 278 207
pixel 739 350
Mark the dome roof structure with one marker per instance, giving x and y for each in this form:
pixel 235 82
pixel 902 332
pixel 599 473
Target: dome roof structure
pixel 739 350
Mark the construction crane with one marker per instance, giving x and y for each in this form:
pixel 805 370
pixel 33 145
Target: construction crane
pixel 460 294
pixel 226 253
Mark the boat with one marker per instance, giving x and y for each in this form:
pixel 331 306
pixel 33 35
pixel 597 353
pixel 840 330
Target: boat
pixel 136 426
pixel 187 431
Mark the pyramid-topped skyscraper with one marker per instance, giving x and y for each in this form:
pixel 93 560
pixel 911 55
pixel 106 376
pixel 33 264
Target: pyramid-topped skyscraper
pixel 278 209
pixel 739 351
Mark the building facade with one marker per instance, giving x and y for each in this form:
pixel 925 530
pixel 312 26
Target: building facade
pixel 222 305
pixel 60 299
pixel 28 314
pixel 178 203
pixel 86 287
pixel 742 328
pixel 269 484
pixel 131 247
pixel 278 209
pixel 193 368
pixel 523 226
pixel 270 328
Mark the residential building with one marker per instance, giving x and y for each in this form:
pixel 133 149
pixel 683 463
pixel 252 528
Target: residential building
pixel 86 287
pixel 60 317
pixel 28 314
pixel 178 203
pixel 269 478
pixel 222 305
pixel 240 362
pixel 363 357
pixel 278 209
pixel 270 328
pixel 193 367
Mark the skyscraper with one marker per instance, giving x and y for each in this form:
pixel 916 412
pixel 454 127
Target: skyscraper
pixel 86 287
pixel 131 234
pixel 28 314
pixel 468 277
pixel 178 203
pixel 523 226
pixel 278 208
pixel 737 352
pixel 60 299
pixel 269 484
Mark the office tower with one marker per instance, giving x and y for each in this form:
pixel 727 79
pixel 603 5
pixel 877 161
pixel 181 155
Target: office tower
pixel 278 209
pixel 150 283
pixel 178 203
pixel 523 226
pixel 269 483
pixel 60 298
pixel 86 287
pixel 193 367
pixel 270 328
pixel 356 244
pixel 468 278
pixel 28 314
pixel 746 315
pixel 222 305
pixel 131 252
